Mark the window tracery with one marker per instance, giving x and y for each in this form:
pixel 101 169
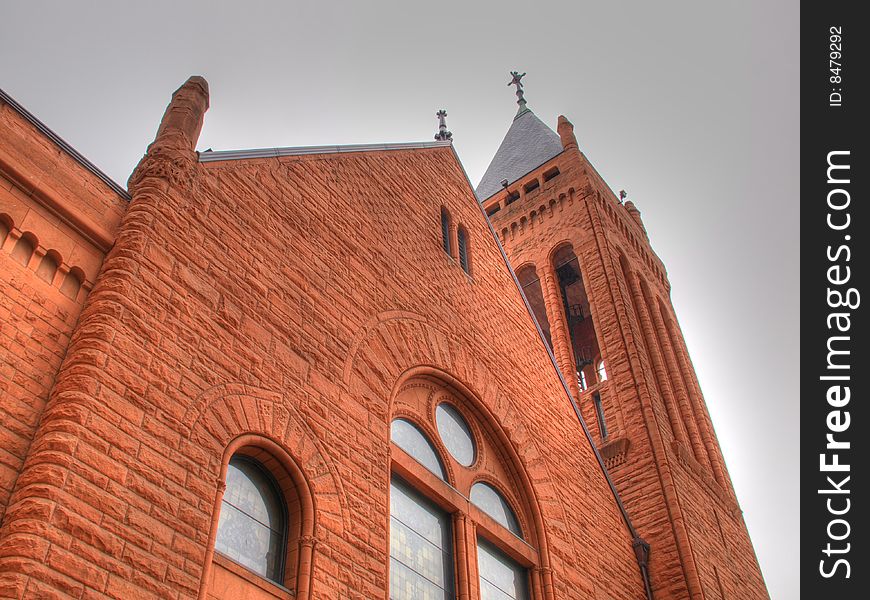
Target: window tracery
pixel 478 506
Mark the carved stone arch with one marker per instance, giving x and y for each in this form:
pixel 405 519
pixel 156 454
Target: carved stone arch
pixel 396 346
pixel 224 413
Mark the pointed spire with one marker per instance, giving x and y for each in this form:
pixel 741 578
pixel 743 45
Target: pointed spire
pixel 517 81
pixel 442 135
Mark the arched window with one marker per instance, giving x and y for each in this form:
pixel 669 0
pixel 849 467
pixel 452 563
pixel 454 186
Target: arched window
pixel 602 372
pixel 462 242
pixel 576 306
pixel 429 516
pixel 445 229
pixel 252 529
pixel 490 501
pixel 528 277
pixel 410 439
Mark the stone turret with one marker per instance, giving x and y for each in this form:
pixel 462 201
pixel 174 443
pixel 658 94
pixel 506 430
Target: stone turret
pixel 172 156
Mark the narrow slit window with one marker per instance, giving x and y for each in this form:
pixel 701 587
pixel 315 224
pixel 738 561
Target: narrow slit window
pixel 445 229
pixel 462 240
pixel 599 413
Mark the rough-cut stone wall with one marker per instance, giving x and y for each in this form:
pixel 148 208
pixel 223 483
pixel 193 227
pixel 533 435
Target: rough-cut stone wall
pixel 662 452
pixel 288 298
pixel 56 222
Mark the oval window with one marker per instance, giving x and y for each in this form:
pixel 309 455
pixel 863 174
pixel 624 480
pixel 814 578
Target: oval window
pixel 455 434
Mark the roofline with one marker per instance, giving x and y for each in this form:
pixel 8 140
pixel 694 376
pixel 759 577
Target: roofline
pixel 482 200
pixel 72 152
pixel 214 156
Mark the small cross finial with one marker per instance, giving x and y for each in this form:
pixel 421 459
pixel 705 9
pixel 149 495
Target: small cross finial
pixel 443 134
pixel 516 79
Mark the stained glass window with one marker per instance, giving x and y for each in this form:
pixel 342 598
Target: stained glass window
pixel 252 524
pixel 421 554
pixel 410 439
pixel 455 434
pixel 500 577
pixel 487 499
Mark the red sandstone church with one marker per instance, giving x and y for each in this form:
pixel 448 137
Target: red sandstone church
pixel 341 372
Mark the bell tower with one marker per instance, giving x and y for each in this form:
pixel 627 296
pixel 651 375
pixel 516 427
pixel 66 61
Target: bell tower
pixel 602 299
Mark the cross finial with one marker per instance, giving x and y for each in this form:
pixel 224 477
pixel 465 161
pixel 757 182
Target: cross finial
pixel 517 81
pixel 442 134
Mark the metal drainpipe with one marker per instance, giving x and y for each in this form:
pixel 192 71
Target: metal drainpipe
pixel 639 545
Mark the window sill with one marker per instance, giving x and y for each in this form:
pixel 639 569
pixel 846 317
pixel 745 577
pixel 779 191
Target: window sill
pixel 270 587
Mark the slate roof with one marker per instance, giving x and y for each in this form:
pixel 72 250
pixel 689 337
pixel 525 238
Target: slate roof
pixel 528 144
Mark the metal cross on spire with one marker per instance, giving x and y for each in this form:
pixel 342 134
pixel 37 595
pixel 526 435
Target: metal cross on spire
pixel 442 134
pixel 517 81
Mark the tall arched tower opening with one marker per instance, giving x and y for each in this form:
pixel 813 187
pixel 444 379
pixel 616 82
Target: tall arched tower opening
pixel 602 298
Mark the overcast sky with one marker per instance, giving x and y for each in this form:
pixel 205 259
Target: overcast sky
pixel 692 107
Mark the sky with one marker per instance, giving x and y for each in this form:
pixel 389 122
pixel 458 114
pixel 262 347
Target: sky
pixel 691 107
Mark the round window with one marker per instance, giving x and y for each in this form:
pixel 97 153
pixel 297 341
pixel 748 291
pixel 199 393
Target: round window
pixel 455 434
